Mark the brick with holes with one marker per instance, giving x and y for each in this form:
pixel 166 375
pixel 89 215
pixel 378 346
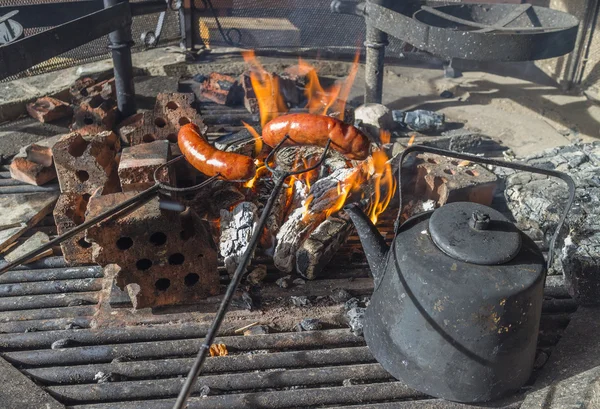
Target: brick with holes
pixel 48 109
pixel 69 212
pixel 138 163
pixel 170 255
pixel 171 111
pixel 85 163
pixel 445 180
pixel 96 109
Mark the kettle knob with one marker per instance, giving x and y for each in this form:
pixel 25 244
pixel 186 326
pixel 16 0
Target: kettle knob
pixel 479 220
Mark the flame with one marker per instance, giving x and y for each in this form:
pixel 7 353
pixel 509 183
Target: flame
pixel 411 140
pixel 383 181
pixel 267 89
pixel 261 170
pixel 258 142
pixel 385 136
pixel 321 100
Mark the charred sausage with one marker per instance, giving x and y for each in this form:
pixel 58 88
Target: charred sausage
pixel 211 161
pixel 310 129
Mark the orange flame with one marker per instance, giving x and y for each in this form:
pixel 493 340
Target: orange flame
pixel 411 140
pixel 321 100
pixel 383 181
pixel 385 136
pixel 267 89
pixel 258 142
pixel 261 170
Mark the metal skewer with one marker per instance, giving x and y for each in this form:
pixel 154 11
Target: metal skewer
pixel 280 178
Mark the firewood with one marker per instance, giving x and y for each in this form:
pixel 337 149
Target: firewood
pixel 236 230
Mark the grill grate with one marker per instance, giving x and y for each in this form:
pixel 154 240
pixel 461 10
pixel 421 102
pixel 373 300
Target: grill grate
pixel 53 331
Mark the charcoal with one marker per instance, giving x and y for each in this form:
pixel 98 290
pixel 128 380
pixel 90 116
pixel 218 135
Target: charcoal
pixel 351 303
pixel 284 282
pixel 340 295
pixel 299 281
pixel 301 301
pixel 356 317
pixel 537 203
pixel 257 275
pixel 204 391
pixel 309 324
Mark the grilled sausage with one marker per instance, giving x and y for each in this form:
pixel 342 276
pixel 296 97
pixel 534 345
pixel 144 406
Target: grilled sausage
pixel 211 161
pixel 310 129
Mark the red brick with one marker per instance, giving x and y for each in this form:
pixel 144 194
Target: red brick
pixel 34 163
pixel 170 255
pixel 87 163
pixel 447 180
pixel 69 212
pixel 48 109
pixel 138 163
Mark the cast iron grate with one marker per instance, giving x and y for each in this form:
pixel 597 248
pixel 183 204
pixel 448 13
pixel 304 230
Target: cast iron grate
pixel 93 358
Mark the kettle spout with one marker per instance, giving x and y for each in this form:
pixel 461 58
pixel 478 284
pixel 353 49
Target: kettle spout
pixel 372 241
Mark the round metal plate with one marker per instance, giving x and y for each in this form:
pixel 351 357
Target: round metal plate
pixel 452 233
pixel 10 31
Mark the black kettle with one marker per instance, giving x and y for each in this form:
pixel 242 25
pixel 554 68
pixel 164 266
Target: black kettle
pixel 457 302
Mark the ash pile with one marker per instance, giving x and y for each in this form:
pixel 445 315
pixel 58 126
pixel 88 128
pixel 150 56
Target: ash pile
pixel 537 201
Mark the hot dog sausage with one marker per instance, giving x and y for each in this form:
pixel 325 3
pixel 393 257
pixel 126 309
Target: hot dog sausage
pixel 209 160
pixel 310 129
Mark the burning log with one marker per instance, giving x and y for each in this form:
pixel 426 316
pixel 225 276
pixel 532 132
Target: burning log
pixel 322 244
pixel 236 230
pixel 325 197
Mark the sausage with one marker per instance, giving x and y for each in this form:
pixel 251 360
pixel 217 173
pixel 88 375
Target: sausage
pixel 310 129
pixel 211 161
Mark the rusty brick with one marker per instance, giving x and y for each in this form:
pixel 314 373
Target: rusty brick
pixel 170 255
pixel 79 89
pixel 138 163
pixel 222 89
pixel 447 180
pixel 48 109
pixel 69 212
pixel 87 163
pixel 171 111
pixel 126 128
pixel 34 163
pixel 95 115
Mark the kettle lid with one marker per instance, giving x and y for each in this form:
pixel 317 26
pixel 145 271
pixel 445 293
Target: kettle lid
pixel 474 233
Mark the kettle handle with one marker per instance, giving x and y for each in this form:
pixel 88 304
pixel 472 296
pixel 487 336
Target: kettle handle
pixel 477 159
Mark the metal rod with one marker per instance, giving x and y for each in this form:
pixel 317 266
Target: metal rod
pixel 239 272
pixel 120 44
pixel 128 205
pixel 375 42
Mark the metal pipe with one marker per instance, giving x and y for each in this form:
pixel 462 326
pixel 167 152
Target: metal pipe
pixel 46 301
pixel 120 44
pixel 375 42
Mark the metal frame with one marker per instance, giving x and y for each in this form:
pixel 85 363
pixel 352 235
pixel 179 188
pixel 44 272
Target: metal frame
pixel 414 22
pixel 76 24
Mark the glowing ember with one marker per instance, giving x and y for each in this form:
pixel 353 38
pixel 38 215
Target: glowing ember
pixel 267 90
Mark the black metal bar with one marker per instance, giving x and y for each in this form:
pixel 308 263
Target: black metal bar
pixel 177 348
pixel 9 190
pixel 48 313
pixel 375 42
pixel 163 388
pixel 46 301
pixel 120 44
pixel 52 14
pixel 51 274
pixel 148 7
pixel 51 287
pixel 292 398
pixel 45 325
pixel 48 262
pixel 29 51
pixel 180 366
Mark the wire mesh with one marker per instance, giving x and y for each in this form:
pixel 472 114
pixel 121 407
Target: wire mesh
pixel 97 49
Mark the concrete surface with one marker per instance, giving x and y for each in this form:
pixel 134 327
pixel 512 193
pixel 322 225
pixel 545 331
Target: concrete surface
pixel 19 392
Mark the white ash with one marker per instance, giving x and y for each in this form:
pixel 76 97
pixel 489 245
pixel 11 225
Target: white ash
pixel 236 231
